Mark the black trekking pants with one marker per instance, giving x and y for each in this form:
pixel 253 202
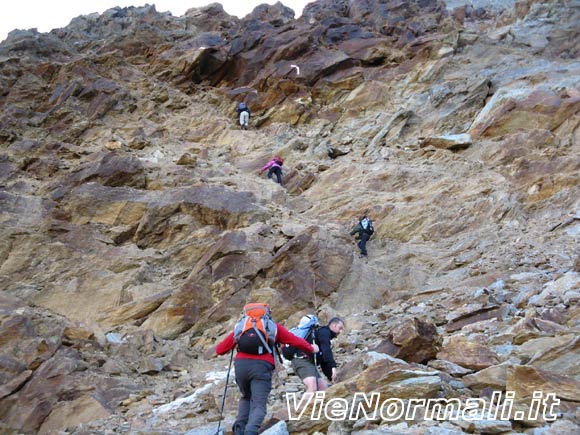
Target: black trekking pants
pixel 362 244
pixel 254 378
pixel 276 170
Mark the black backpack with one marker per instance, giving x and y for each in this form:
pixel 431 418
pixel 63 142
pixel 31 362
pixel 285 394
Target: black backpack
pixel 306 330
pixel 255 332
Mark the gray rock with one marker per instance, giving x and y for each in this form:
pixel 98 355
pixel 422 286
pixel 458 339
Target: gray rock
pixel 280 428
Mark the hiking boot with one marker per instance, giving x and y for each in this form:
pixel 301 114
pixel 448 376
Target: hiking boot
pixel 238 429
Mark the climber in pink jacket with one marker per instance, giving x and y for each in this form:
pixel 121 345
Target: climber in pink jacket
pixel 275 167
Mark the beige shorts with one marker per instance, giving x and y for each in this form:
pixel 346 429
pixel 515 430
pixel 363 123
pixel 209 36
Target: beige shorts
pixel 304 368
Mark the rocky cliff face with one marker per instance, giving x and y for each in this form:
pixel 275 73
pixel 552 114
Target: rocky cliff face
pixel 135 226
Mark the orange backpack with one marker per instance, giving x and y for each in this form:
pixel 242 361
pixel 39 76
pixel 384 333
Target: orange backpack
pixel 255 332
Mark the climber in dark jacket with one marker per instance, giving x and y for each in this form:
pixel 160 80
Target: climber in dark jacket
pixel 304 366
pixel 364 230
pixel 324 336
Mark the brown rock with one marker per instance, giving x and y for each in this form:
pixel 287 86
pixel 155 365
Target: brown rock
pixel 12 385
pixel 532 327
pixel 113 169
pixel 526 108
pixel 135 310
pixel 202 205
pixel 524 380
pixel 560 356
pixel 150 365
pixel 398 381
pixel 180 312
pixel 449 367
pixel 450 142
pixel 73 414
pixel 312 263
pixel 276 15
pixel 414 340
pixel 561 427
pixel 79 337
pixel 30 406
pixel 209 18
pixel 482 314
pixel 232 255
pixel 468 353
pixel 187 160
pixel 389 379
pixel 494 377
pixel 113 145
pixel 18 337
pixel 76 333
pixel 297 182
pixel 100 204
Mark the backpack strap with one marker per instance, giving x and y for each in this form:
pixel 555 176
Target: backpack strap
pixel 261 336
pixel 277 351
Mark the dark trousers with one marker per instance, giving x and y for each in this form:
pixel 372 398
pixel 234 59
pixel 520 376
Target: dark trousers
pixel 276 170
pixel 362 243
pixel 254 378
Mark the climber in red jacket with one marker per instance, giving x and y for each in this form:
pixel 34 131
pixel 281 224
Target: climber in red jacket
pixel 254 378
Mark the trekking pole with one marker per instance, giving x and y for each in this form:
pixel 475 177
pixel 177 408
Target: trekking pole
pixel 315 364
pixel 221 431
